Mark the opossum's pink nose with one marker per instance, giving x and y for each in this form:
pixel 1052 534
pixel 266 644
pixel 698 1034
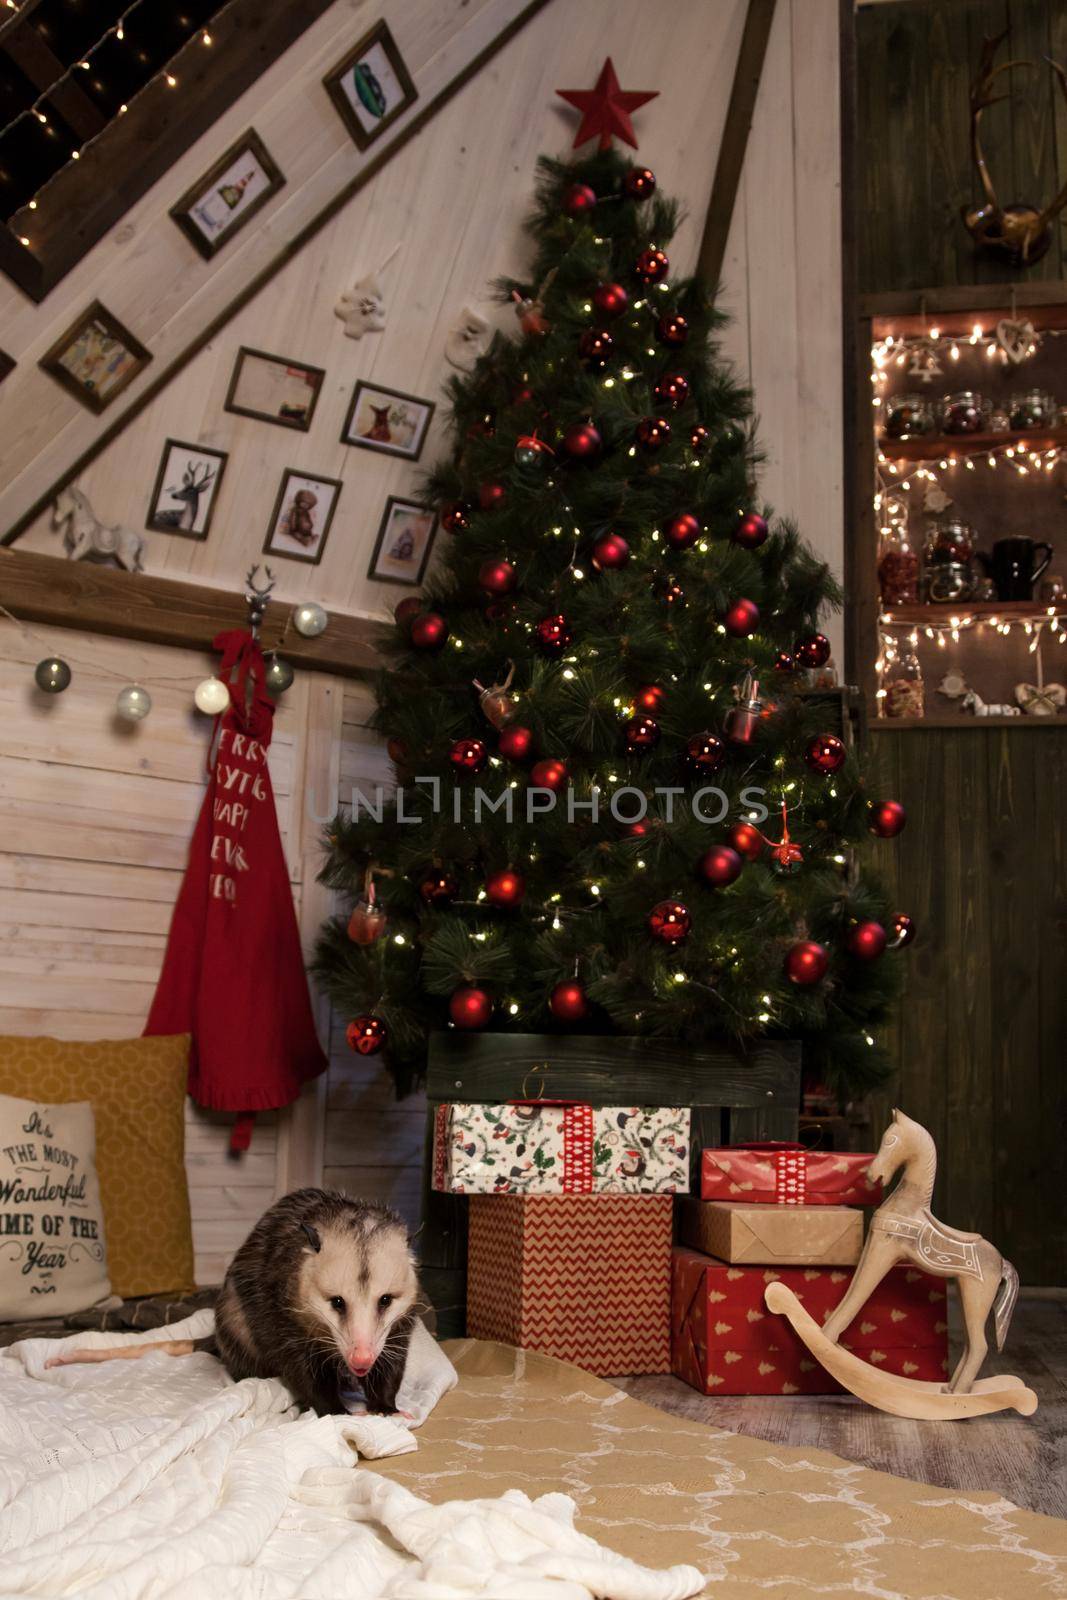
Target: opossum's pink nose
pixel 360 1359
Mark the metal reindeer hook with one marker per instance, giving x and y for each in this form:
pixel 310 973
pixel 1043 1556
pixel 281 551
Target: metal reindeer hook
pixel 257 597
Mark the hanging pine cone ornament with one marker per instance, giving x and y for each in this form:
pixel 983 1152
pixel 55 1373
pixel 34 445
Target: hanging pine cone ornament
pixel 456 517
pixel 642 734
pixel 705 753
pixel 886 818
pixel 505 889
pixel 806 963
pixel 682 531
pixel 741 619
pixel 531 452
pixel 595 349
pixel 747 840
pixel 553 634
pixel 468 755
pixel 866 940
pixel 650 698
pixel 652 433
pixel 579 200
pixel 751 531
pixel 366 1035
pixel 516 743
pixel 825 754
pixel 405 611
pixel 429 631
pixel 812 651
pixel 497 577
pixel 720 866
pixel 470 1007
pixel 368 920
pixel 610 299
pixel 672 390
pixel 549 774
pixel 672 329
pixel 699 439
pixel 610 552
pixel 438 888
pixel 669 922
pixel 568 1002
pixel 581 441
pixel 640 183
pixel 902 930
pixel 651 266
pixel 491 495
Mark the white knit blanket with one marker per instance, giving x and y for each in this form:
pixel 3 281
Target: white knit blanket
pixel 162 1478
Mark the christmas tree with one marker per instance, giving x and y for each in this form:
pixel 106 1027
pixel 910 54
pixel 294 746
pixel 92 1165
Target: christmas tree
pixel 622 808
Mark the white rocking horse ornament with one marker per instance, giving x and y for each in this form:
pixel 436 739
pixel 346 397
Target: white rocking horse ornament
pixel 86 538
pixel 904 1229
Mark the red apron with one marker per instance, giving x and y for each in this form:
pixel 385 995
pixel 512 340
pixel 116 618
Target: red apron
pixel 233 974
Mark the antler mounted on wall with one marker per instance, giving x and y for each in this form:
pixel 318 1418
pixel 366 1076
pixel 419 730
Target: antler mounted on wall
pixel 1021 233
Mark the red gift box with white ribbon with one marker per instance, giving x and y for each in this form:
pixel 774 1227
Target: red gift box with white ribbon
pixel 787 1175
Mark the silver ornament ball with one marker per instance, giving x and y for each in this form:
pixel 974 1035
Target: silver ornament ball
pixel 52 675
pixel 279 675
pixel 133 703
pixel 310 620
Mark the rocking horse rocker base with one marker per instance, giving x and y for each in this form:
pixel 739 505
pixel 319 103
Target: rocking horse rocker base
pixel 904 1229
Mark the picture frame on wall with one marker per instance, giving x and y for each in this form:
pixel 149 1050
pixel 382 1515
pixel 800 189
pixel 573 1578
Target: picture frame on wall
pixel 405 539
pixel 229 194
pixel 186 489
pixel 274 389
pixel 387 421
pixel 96 358
pixel 371 86
pixel 303 512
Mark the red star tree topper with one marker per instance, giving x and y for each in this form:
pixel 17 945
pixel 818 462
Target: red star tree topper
pixel 606 109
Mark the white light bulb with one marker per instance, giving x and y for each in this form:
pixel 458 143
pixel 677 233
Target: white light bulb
pixel 211 697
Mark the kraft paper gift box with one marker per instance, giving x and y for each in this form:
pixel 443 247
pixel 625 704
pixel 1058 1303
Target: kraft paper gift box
pixel 725 1341
pixel 586 1278
pixel 772 1236
pixel 560 1147
pixel 787 1175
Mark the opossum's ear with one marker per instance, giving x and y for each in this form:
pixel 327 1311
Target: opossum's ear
pixel 312 1236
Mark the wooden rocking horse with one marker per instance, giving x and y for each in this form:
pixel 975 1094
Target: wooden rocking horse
pixel 904 1229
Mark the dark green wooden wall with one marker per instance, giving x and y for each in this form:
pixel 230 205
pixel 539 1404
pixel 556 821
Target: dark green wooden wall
pixel 981 1037
pixel 915 64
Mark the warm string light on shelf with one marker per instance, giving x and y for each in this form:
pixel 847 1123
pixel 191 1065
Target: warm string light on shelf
pixel 1013 454
pixel 913 350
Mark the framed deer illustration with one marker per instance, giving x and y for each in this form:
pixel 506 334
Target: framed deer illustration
pixel 187 487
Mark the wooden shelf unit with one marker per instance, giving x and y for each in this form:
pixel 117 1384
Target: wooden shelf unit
pixel 934 447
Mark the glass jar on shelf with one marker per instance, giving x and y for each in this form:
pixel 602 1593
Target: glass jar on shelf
pixel 965 412
pixel 949 539
pixel 948 553
pixel 898 568
pixel 908 416
pixel 1034 409
pixel 903 685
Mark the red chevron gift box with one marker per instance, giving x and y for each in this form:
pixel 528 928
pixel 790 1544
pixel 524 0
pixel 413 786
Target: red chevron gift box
pixel 725 1341
pixel 586 1278
pixel 787 1175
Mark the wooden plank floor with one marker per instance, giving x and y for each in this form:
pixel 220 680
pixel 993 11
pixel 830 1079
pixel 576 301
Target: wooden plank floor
pixel 1023 1458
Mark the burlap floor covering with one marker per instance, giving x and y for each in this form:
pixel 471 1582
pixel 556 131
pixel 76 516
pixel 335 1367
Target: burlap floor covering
pixel 777 1523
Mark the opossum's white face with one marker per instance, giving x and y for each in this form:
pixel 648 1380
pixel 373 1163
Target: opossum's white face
pixel 357 1286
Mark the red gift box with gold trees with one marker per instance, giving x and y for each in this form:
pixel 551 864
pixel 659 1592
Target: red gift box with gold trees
pixel 725 1341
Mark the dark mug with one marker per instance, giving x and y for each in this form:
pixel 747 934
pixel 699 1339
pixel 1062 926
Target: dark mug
pixel 1012 566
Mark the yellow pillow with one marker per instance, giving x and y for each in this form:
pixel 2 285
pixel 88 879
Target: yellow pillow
pixel 137 1091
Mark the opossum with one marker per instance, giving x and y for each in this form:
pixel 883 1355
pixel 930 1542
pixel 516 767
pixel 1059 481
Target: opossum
pixel 322 1292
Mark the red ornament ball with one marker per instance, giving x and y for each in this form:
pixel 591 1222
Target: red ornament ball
pixel 429 631
pixel 886 818
pixel 470 1007
pixel 515 743
pixel 610 299
pixel 720 865
pixel 505 889
pixel 438 888
pixel 568 1002
pixel 491 496
pixel 610 552
pixel 553 634
pixel 581 440
pixel 640 183
pixel 682 531
pixel 672 390
pixel 366 1035
pixel 406 611
pixel 812 651
pixel 652 433
pixel 741 619
pixel 642 733
pixel 866 940
pixel 806 962
pixel 825 753
pixel 468 755
pixel 751 531
pixel 595 348
pixel 903 930
pixel 651 266
pixel 549 774
pixel 367 923
pixel 747 840
pixel 579 199
pixel 699 439
pixel 649 698
pixel 669 922
pixel 456 517
pixel 672 329
pixel 705 752
pixel 497 577
pixel 783 662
